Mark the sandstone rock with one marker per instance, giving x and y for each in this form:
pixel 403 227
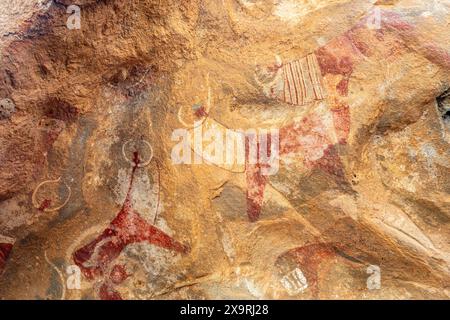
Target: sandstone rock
pixel 107 167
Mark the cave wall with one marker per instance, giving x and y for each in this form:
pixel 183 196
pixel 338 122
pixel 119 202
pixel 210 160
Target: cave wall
pixel 108 189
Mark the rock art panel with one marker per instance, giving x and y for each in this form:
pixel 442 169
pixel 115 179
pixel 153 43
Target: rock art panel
pixel 228 149
pixel 128 227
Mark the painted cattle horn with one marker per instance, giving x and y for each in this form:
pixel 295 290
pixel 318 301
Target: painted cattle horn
pixel 140 165
pixel 36 203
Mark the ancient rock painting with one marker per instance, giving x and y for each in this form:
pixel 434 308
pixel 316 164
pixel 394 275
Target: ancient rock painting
pixel 302 268
pixel 256 179
pixel 96 259
pixel 312 139
pixel 302 81
pixel 298 82
pixel 47 204
pixel 6 246
pixel 195 114
pixel 65 109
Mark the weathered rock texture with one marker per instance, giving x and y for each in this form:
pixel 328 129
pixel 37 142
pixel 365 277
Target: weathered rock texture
pixel 359 91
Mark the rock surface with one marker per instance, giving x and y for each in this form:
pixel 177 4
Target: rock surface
pixel 93 204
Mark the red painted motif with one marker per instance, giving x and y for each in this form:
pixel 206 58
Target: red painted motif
pixel 201 112
pixel 118 274
pixel 338 57
pixel 45 205
pixel 256 181
pixel 309 137
pixel 331 163
pixel 341 119
pixel 107 292
pixel 5 251
pixel 314 259
pixel 95 258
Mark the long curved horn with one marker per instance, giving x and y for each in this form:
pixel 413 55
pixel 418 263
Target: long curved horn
pixel 140 165
pixel 189 126
pixel 208 109
pixel 36 203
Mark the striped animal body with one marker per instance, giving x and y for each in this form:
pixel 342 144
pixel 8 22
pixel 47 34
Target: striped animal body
pixel 297 82
pixel 302 81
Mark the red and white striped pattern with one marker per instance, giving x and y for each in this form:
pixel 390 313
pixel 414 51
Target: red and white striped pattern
pixel 302 81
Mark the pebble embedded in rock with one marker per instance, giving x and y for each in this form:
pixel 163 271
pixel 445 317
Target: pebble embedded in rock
pixel 7 108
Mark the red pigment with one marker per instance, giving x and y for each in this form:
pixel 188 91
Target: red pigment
pixel 309 259
pixel 107 292
pixel 341 119
pixel 291 142
pixel 200 112
pixel 118 274
pixel 127 228
pixel 45 205
pixel 392 20
pixel 362 47
pixel 52 136
pixel 331 163
pixel 339 56
pixel 394 23
pixel 5 251
pixel 342 87
pixel 332 64
pixel 256 181
pixel 437 55
pixel 291 137
pixel 256 184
